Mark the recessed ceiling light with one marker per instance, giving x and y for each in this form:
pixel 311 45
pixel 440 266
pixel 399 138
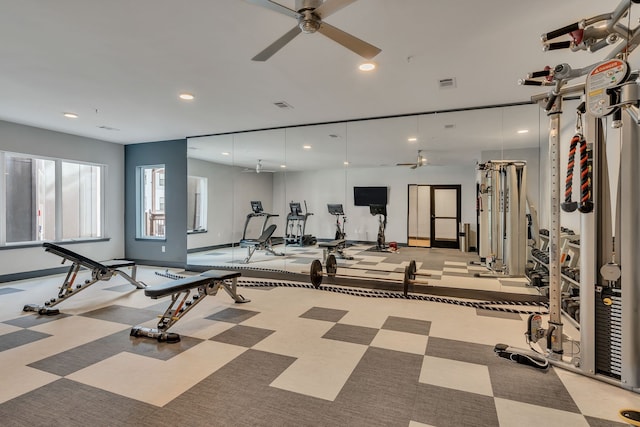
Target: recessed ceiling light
pixel 367 66
pixel 70 115
pixel 346 163
pixel 523 131
pixel 412 139
pixel 186 96
pixel 283 166
pixel 225 153
pixel 306 147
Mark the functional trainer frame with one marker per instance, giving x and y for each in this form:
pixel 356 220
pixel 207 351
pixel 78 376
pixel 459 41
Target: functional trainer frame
pixel 609 342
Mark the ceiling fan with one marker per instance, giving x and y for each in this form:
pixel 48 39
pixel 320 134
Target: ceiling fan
pixel 310 15
pixel 258 169
pixel 420 161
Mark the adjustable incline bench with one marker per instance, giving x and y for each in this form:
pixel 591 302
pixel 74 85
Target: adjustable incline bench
pixel 261 243
pixel 99 271
pixel 205 284
pixel 334 247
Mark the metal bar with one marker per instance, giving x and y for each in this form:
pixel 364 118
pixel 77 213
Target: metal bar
pixel 555 291
pixel 630 248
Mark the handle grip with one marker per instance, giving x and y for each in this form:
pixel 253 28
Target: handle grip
pixel 561 31
pixel 527 82
pixel 544 73
pixel 551 101
pixel 557 46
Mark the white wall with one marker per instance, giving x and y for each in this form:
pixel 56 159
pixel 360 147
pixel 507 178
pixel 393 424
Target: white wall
pixel 336 186
pixel 29 140
pixel 230 192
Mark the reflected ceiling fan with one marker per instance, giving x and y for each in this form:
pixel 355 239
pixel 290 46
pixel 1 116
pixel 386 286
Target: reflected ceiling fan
pixel 258 169
pixel 310 15
pixel 420 161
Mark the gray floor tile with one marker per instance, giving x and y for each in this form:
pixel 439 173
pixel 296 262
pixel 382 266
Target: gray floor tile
pixel 351 333
pixel 497 314
pixel 121 314
pixel 80 357
pixel 34 319
pixel 598 422
pixel 70 404
pixel 18 338
pixel 232 315
pixel 401 324
pixel 445 407
pixel 245 336
pixel 326 314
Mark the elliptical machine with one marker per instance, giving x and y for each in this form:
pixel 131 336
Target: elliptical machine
pixel 381 211
pixel 337 211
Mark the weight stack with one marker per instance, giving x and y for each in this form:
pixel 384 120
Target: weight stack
pixel 608 331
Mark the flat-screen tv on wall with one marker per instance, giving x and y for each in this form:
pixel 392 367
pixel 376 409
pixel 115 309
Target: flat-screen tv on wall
pixel 365 196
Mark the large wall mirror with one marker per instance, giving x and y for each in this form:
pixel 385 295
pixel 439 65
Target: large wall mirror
pixel 297 172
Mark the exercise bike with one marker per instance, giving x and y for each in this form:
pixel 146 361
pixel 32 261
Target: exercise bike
pixel 381 212
pixel 337 211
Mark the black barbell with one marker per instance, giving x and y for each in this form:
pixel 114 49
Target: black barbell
pixel 409 278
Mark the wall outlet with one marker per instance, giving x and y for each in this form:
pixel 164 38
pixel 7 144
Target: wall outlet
pixel 164 249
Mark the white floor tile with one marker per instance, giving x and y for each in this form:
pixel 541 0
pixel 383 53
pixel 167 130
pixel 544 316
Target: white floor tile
pixel 400 341
pixel 512 413
pixel 157 382
pixel 463 376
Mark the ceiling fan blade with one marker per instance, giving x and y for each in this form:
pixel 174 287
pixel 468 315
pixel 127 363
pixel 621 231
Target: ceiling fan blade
pixel 352 43
pixel 329 7
pixel 277 45
pixel 276 7
pixel 405 164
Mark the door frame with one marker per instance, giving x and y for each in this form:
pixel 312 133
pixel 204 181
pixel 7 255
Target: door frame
pixel 454 244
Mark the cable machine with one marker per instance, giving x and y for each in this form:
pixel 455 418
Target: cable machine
pixel 503 216
pixel 610 227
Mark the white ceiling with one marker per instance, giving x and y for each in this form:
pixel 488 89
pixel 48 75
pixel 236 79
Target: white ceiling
pixel 120 64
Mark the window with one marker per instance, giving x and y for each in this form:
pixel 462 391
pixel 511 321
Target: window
pixel 196 204
pixel 81 200
pixel 150 207
pixel 50 199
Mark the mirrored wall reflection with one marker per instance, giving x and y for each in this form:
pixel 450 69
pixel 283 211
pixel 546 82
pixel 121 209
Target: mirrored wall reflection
pixel 297 172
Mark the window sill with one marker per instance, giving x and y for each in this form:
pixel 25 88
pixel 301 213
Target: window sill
pixel 24 245
pixel 197 231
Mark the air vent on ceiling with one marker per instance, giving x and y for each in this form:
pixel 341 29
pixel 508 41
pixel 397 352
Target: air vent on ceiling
pixel 107 127
pixel 333 135
pixel 282 104
pixel 449 126
pixel 447 83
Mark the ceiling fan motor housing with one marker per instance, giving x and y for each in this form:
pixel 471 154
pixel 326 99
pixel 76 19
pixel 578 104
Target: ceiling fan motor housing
pixel 308 21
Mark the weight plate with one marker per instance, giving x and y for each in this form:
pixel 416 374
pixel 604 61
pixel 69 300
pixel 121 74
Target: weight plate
pixel 332 265
pixel 407 279
pixel 412 270
pixel 316 273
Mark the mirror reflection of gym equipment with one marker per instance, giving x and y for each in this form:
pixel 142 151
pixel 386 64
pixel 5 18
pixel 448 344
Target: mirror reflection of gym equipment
pixel 503 216
pixel 262 241
pixel 296 225
pixel 337 210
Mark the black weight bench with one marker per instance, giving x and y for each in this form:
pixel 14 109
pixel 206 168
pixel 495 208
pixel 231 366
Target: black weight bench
pixel 334 247
pixel 104 270
pixel 207 283
pixel 261 243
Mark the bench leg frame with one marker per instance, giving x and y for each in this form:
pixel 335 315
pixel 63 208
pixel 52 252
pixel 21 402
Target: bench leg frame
pixel 180 306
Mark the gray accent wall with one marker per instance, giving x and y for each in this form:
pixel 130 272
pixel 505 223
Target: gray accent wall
pixel 172 154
